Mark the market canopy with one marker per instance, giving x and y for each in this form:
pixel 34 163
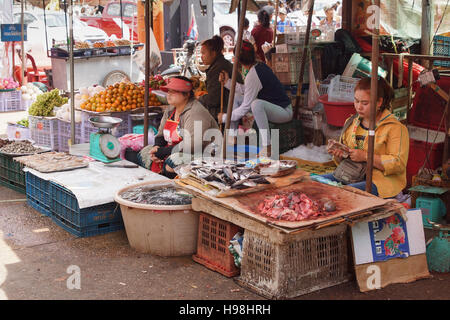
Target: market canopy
pixel 251 6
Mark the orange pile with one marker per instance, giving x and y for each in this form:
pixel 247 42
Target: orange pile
pixel 119 97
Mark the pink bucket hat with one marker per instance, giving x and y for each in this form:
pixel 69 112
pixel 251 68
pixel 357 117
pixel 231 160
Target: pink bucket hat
pixel 177 85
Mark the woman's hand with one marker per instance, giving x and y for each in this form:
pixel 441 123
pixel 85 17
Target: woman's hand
pixel 337 153
pixel 223 77
pixel 358 155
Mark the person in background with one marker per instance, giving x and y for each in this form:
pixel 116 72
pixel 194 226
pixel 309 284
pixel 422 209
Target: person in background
pixel 262 32
pixel 179 118
pixel 391 140
pixel 247 34
pixel 283 22
pixel 263 95
pixel 329 18
pixel 212 56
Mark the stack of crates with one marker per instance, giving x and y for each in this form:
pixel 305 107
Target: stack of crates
pixel 298 264
pixel 11 101
pixel 214 237
pixel 44 131
pixel 92 221
pixel 441 47
pixel 65 134
pixel 38 193
pixel 11 174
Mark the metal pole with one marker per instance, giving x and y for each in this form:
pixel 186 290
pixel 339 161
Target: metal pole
pixel 147 68
pixel 72 77
pixel 374 97
pixel 277 5
pixel 303 61
pixel 22 43
pixel 234 77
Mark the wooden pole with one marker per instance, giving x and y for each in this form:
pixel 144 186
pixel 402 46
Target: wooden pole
pixel 373 96
pixel 447 126
pixel 303 61
pixel 427 27
pixel 277 6
pixel 234 77
pixel 147 68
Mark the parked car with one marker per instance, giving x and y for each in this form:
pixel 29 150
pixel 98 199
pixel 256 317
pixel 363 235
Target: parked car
pixel 110 20
pixel 55 27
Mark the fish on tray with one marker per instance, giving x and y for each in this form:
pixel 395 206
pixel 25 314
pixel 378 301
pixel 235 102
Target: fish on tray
pixel 295 206
pixel 223 175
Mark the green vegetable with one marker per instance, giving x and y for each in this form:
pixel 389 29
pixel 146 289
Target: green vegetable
pixel 44 104
pixel 23 122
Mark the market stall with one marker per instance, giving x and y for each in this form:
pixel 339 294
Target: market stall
pixel 285 229
pixel 99 63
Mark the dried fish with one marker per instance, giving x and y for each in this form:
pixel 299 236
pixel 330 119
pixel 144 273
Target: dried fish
pixel 157 196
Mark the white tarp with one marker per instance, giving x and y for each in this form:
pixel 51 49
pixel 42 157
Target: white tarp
pixel 97 184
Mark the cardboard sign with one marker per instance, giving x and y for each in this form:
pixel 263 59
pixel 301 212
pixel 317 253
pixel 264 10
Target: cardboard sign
pixel 389 238
pixel 389 250
pixel 13 32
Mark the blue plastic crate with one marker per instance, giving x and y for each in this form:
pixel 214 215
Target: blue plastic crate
pixel 64 204
pixel 11 173
pixel 38 193
pixel 89 231
pixel 441 47
pixel 39 207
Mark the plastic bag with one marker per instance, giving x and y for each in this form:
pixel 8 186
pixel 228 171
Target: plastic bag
pixel 155 55
pixel 313 92
pixel 135 142
pixel 235 248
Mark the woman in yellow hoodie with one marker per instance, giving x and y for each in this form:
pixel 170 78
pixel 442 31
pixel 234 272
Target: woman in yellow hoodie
pixel 391 141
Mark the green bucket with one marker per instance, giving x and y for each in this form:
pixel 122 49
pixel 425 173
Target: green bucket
pixel 360 67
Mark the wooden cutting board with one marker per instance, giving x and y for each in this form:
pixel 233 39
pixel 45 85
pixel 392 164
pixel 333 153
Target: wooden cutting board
pixel 348 203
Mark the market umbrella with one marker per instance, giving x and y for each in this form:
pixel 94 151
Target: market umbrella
pixel 251 6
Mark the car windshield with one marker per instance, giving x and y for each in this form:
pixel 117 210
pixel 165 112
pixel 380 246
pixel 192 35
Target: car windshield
pixel 59 20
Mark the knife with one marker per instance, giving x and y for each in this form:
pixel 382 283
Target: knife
pixel 122 165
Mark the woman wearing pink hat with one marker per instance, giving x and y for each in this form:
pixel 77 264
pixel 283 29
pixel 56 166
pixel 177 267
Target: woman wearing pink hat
pixel 170 150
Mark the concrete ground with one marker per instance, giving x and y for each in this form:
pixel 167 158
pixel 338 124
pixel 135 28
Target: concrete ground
pixel 35 255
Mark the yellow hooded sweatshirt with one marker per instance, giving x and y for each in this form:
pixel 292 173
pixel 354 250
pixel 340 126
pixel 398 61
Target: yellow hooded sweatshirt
pixel 392 144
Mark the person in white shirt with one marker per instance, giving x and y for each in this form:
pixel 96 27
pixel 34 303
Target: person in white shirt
pixel 263 95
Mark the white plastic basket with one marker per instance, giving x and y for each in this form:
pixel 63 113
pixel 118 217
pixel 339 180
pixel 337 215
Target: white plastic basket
pixel 342 89
pixel 16 132
pixel 10 101
pixel 44 131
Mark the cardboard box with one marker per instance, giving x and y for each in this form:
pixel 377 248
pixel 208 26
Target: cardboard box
pixel 389 250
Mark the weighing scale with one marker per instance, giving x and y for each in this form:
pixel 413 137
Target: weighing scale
pixel 103 146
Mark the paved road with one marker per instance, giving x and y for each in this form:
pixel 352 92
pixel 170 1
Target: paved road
pixel 35 255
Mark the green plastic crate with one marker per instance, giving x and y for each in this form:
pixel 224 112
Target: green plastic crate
pixel 11 174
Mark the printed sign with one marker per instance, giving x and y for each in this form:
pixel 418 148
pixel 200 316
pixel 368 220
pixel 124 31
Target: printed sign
pixel 13 32
pixel 389 238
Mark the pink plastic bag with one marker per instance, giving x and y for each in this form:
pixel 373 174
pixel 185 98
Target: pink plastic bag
pixel 134 141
